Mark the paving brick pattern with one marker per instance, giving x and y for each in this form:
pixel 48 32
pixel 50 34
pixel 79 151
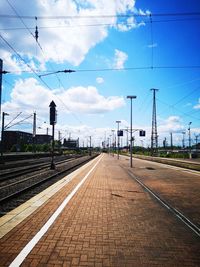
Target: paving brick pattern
pixel 111 221
pixel 180 188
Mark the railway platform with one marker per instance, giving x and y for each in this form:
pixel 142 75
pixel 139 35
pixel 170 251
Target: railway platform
pixel 97 216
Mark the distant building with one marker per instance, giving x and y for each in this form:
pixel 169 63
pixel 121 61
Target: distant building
pixel 18 138
pixel 70 143
pixel 43 139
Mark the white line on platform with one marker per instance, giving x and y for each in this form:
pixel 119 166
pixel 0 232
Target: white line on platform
pixel 27 249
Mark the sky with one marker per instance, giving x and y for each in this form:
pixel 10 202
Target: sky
pixel 115 48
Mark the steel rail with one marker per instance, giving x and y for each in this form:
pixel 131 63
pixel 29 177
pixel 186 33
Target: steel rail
pixel 164 203
pixel 27 188
pixel 24 170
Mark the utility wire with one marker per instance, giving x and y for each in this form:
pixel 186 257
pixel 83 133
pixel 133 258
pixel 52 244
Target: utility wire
pixel 19 122
pixel 36 39
pixel 107 69
pixel 37 74
pixel 105 16
pixel 28 65
pixel 6 127
pixel 185 114
pixel 18 16
pixel 152 43
pixel 184 97
pixel 95 25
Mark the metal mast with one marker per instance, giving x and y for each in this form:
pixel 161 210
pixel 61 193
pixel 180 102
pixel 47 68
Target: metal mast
pixel 154 134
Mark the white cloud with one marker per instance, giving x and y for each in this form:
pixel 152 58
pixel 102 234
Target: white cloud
pixel 120 59
pixel 129 24
pixel 99 80
pixel 28 95
pixel 171 124
pixel 63 40
pixel 142 12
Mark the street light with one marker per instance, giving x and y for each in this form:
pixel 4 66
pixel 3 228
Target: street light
pixel 118 122
pixel 189 136
pixel 131 149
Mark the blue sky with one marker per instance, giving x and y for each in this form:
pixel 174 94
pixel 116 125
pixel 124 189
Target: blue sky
pixel 102 41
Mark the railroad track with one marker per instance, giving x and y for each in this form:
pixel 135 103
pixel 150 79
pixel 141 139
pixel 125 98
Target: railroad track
pixel 178 214
pixel 13 173
pixel 18 191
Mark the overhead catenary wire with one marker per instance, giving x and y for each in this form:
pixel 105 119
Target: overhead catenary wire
pixel 36 39
pixel 183 98
pixel 131 14
pixel 170 106
pixel 152 42
pixel 38 76
pixel 19 122
pixel 6 126
pixel 48 72
pixel 94 25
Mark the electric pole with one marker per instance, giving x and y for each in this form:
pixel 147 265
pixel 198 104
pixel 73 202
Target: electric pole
pixel 90 149
pixel 154 134
pixel 118 122
pixel 1 72
pixel 196 140
pixel 2 133
pixel 189 133
pixel 171 138
pixel 34 131
pixel 131 97
pixel 183 141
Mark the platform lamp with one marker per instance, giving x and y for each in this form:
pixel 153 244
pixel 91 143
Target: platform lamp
pixel 131 141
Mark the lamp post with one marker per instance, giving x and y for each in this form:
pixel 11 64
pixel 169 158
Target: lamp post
pixel 131 148
pixel 118 122
pixel 183 141
pixel 189 136
pixel 2 132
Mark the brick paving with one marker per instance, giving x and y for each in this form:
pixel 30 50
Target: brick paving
pixel 180 188
pixel 110 221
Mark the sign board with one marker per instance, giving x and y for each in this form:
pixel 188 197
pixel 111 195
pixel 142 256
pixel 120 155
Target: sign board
pixel 120 133
pixel 142 133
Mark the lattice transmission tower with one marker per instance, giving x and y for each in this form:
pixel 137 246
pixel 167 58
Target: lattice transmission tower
pixel 154 134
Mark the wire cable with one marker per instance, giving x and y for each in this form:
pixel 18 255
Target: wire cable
pixel 185 114
pixel 104 16
pixel 36 39
pixel 95 25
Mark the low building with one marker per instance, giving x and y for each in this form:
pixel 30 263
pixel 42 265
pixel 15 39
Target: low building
pixel 19 138
pixel 71 144
pixel 41 139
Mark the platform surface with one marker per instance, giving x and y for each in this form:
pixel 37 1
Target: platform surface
pixel 109 220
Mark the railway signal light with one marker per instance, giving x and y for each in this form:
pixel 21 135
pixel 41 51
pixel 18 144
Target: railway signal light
pixel 52 113
pixel 52 122
pixel 142 133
